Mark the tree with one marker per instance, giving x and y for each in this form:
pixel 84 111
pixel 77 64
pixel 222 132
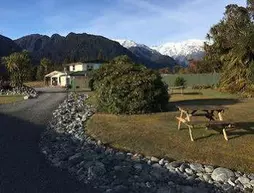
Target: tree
pixel 122 60
pixel 232 49
pixel 180 81
pixel 127 88
pixel 46 64
pixel 250 5
pixel 44 68
pixel 18 66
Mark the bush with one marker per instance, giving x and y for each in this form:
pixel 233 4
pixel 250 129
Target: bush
pixel 5 85
pixel 129 89
pixel 180 81
pixel 204 86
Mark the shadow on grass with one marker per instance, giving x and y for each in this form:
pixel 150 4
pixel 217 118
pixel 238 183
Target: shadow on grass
pixel 199 102
pixel 240 129
pixel 187 93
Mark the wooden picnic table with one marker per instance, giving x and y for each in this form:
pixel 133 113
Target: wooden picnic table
pixel 171 89
pixel 212 113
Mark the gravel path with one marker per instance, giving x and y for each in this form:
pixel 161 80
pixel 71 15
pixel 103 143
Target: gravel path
pixel 23 169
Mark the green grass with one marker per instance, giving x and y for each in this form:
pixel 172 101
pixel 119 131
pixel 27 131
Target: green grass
pixel 10 99
pixel 193 79
pixel 36 84
pixel 157 134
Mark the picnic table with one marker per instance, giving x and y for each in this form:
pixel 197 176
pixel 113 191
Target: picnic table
pixel 212 113
pixel 171 89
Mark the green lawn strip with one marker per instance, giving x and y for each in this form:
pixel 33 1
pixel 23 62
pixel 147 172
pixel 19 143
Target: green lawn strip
pixel 10 99
pixel 157 134
pixel 35 84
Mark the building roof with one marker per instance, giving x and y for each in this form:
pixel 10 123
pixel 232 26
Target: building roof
pixel 54 73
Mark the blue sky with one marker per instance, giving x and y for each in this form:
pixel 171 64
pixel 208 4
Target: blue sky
pixel 150 22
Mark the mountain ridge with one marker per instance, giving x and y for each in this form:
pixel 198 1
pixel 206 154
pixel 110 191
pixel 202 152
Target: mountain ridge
pixel 183 51
pixel 146 52
pixel 7 46
pixel 83 47
pixel 180 51
pixel 72 47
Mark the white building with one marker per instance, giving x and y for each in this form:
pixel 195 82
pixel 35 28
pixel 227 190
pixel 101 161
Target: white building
pixel 56 78
pixel 79 67
pixel 72 70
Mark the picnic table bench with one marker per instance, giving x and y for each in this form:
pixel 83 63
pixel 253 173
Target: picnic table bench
pixel 207 111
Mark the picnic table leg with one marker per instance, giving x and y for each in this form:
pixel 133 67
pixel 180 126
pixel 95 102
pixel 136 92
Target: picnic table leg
pixel 188 117
pixel 225 134
pixel 179 122
pixel 190 132
pixel 220 116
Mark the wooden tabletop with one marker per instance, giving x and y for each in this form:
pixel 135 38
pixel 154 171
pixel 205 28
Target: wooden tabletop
pixel 201 107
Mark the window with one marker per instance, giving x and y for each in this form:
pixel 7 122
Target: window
pixel 73 68
pixel 89 67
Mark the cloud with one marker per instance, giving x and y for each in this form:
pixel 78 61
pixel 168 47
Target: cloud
pixel 145 21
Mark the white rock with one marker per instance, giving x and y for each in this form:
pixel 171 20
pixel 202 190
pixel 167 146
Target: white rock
pixel 252 183
pixel 209 169
pixel 207 177
pixel 222 174
pixel 197 167
pixel 231 182
pixel 154 159
pixel 189 171
pixel 161 162
pixel 26 97
pixel 244 180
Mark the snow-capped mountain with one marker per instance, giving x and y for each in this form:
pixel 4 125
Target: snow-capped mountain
pixel 128 43
pixel 157 59
pixel 182 51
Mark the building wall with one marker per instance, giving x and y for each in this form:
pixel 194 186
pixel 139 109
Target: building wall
pixel 78 67
pixel 84 67
pixel 63 81
pixel 80 82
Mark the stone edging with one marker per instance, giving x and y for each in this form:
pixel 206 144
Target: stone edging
pixel 66 145
pixel 29 92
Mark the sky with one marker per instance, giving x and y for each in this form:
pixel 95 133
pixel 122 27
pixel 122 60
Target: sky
pixel 150 22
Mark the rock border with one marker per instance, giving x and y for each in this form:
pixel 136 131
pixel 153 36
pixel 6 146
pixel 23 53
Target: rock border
pixel 28 92
pixel 66 145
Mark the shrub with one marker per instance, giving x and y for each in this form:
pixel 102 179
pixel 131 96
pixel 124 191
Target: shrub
pixel 5 85
pixel 180 81
pixel 203 86
pixel 127 88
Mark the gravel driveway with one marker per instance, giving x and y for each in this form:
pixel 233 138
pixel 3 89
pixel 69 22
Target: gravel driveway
pixel 23 169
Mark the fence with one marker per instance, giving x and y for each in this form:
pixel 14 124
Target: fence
pixel 193 79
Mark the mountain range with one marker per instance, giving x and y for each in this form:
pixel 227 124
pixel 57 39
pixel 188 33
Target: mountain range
pixel 86 47
pixel 180 51
pixel 78 48
pixel 7 46
pixel 183 51
pixel 143 51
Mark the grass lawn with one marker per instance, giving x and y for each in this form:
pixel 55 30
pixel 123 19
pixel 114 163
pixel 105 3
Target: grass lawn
pixel 10 99
pixel 36 84
pixel 157 134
